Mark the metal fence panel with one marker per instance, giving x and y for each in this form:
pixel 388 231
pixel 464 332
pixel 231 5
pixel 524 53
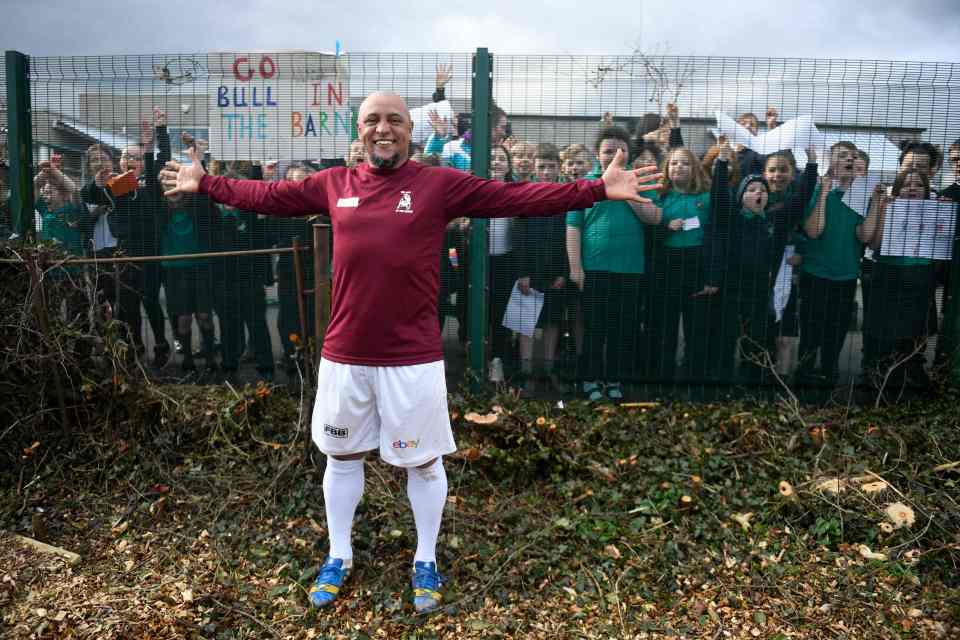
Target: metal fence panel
pixel 645 317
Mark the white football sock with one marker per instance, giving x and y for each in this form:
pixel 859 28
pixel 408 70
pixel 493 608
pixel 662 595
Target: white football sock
pixel 342 490
pixel 427 490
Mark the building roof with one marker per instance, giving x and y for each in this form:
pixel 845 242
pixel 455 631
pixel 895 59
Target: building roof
pixel 111 139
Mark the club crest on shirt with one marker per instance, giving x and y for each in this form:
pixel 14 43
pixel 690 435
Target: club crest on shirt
pixel 406 202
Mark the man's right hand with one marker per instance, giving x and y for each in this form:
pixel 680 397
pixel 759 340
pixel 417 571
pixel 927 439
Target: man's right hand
pixel 182 178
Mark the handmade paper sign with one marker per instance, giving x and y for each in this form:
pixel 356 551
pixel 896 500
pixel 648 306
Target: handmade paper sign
pixel 919 229
pixel 285 106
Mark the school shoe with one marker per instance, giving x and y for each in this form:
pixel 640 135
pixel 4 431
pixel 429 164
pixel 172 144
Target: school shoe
pixel 327 586
pixel 593 391
pixel 426 587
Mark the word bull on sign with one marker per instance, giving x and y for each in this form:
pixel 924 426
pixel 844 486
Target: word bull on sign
pixel 240 95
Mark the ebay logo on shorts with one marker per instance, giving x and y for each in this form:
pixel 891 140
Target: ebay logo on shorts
pixel 406 444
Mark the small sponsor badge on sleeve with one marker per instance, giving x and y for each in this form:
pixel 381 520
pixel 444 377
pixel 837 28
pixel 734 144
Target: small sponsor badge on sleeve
pixel 348 202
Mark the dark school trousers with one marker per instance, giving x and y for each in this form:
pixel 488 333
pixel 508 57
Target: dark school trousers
pixel 746 314
pixel 825 308
pixel 612 305
pixel 502 276
pixel 239 299
pixel 678 275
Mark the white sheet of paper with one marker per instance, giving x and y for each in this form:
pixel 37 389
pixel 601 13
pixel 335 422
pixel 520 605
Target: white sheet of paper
pixel 421 121
pixel 689 224
pixel 857 197
pixel 783 283
pixel 796 134
pixel 919 229
pixel 735 132
pixel 523 311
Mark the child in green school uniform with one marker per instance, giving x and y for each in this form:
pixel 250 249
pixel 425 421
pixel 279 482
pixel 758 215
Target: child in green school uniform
pixel 900 290
pixel 605 249
pixel 828 277
pixel 58 207
pixel 188 283
pixel 684 283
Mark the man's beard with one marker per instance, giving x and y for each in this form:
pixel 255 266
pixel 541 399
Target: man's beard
pixel 384 163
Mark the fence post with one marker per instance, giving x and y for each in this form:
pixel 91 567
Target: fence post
pixel 480 164
pixel 20 142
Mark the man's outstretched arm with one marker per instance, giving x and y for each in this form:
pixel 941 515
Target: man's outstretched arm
pixel 476 197
pixel 283 198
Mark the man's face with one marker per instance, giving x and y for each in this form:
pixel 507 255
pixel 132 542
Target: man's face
pixel 356 153
pixel 384 128
pixel 608 151
pixel 547 170
pixel 843 162
pixel 132 160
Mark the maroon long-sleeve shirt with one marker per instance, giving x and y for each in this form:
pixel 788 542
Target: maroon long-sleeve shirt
pixel 388 227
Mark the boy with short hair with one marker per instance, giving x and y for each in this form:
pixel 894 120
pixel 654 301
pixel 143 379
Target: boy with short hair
pixel 831 264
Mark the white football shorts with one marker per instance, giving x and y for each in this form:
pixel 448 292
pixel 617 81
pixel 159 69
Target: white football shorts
pixel 402 411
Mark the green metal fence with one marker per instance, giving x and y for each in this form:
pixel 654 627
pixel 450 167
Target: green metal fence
pixel 692 292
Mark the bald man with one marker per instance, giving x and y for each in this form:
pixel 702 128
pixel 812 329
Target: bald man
pixel 381 382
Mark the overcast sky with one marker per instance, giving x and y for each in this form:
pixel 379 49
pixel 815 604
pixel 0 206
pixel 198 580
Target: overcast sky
pixel 918 30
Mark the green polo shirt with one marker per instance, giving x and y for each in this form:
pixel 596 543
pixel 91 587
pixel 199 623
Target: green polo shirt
pixel 611 236
pixel 682 206
pixel 62 225
pixel 179 238
pixel 835 255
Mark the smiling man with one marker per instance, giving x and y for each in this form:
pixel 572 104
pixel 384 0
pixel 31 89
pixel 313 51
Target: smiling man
pixel 381 382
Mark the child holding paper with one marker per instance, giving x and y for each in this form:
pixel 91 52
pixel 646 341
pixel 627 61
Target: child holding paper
pixel 785 209
pixel 751 233
pixel 540 244
pixel 901 287
pixel 828 278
